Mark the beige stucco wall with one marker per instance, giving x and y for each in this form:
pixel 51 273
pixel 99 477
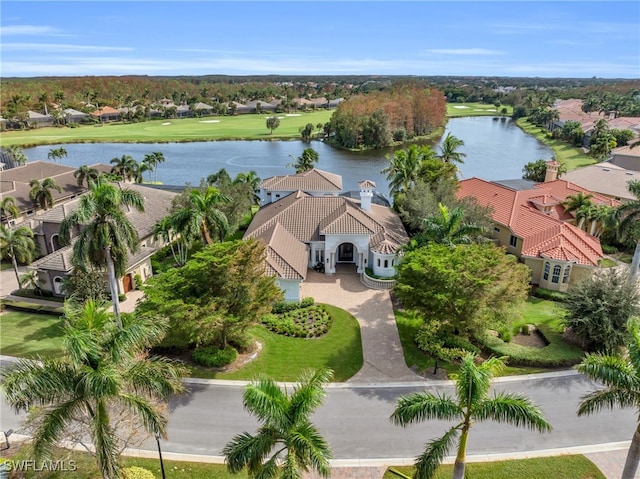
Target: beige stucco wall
pixel 503 236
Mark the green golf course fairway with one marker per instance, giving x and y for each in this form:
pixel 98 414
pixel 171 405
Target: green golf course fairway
pixel 240 127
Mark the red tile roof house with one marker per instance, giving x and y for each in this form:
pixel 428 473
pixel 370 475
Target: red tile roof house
pixel 107 113
pixel 304 222
pixel 532 224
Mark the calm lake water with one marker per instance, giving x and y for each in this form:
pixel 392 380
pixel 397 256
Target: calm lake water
pixel 496 149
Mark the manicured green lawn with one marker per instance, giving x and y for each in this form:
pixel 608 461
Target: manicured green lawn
pixel 558 467
pixel 547 315
pixel 249 127
pixel 30 334
pixel 476 109
pixel 284 358
pixel 573 157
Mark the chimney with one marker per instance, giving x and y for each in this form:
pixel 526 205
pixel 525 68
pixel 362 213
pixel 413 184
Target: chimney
pixel 366 193
pixel 551 174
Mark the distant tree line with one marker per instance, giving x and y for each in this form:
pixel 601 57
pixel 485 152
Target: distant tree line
pixel 375 120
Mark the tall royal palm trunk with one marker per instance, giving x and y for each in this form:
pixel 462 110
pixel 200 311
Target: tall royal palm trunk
pixel 633 456
pixel 113 286
pixel 15 267
pixel 635 264
pixel 461 457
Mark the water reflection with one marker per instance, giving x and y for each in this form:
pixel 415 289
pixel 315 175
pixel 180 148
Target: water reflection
pixel 495 148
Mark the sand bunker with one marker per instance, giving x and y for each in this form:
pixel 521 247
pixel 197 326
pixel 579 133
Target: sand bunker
pixel 460 107
pixel 166 123
pixel 294 114
pixel 209 121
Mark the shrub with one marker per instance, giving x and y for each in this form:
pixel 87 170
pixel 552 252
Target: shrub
pixel 213 357
pixel 122 297
pixel 544 293
pixel 281 307
pixel 309 322
pixel 556 354
pixel 135 472
pixel 609 249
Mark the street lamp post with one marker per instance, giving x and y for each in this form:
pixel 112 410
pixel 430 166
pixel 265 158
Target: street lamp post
pixel 160 454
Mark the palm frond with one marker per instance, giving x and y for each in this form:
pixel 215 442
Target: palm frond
pixel 612 371
pixel 247 450
pixel 265 400
pixel 53 425
pixel 436 450
pixel 513 409
pixel 311 448
pixel 418 407
pixel 309 393
pixel 104 441
pixel 610 398
pixel 153 420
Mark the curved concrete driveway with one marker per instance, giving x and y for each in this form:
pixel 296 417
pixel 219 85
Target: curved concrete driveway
pixel 383 356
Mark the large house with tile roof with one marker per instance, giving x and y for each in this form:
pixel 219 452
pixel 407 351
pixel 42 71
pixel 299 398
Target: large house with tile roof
pixel 14 182
pixel 304 223
pixel 56 265
pixel 531 222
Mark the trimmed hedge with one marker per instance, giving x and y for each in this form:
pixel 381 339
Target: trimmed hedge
pixel 557 354
pixel 213 357
pixel 310 322
pixel 544 293
pixel 281 307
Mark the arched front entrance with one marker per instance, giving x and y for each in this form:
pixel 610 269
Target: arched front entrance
pixel 346 253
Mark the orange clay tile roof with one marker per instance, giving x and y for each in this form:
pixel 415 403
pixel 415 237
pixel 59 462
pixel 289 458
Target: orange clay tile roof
pixel 105 110
pixel 542 234
pixel 312 180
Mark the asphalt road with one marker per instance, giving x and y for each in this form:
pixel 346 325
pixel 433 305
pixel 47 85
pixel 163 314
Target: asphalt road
pixel 355 420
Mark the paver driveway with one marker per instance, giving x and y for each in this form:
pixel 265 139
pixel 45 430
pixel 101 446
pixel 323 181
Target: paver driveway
pixel 383 358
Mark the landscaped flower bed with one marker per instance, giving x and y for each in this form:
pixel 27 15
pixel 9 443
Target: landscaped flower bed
pixel 309 322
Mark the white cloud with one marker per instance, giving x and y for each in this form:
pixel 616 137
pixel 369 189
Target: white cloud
pixel 465 51
pixel 61 47
pixel 7 30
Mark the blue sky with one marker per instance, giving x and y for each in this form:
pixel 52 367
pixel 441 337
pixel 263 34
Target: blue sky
pixel 506 38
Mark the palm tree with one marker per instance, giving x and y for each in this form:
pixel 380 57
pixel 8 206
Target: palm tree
pixel 41 194
pixel 103 369
pixel 86 174
pixel 30 280
pixel 56 154
pixel 449 150
pixel 578 204
pixel 153 160
pixel 253 180
pixel 220 178
pixel 448 228
pixel 471 405
pixel 44 98
pixel 620 375
pixel 17 156
pixel 306 160
pixel 126 168
pixel 107 235
pixel 286 433
pixel 8 208
pixel 17 245
pixel 404 168
pixel 201 217
pixel 630 214
pixel 179 247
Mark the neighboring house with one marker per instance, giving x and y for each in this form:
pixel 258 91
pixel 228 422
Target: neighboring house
pixel 263 104
pixel 606 179
pixel 54 268
pixel 626 157
pixel 74 116
pixel 304 229
pixel 203 109
pixel 530 221
pixel 107 113
pixel 313 182
pixel 37 120
pixel 15 182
